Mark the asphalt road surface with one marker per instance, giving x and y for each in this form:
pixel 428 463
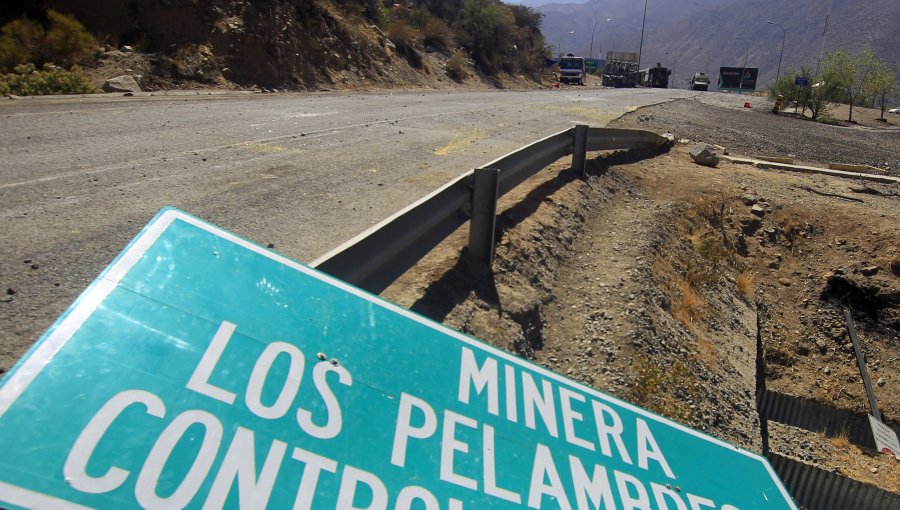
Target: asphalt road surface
pixel 79 177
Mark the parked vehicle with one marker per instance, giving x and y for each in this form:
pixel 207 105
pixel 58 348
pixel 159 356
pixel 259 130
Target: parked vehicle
pixel 571 69
pixel 621 69
pixel 657 77
pixel 894 110
pixel 700 82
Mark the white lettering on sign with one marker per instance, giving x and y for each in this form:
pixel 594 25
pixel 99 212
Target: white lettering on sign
pixel 259 378
pixel 145 490
pixel 240 464
pixel 250 467
pixel 75 468
pixel 608 426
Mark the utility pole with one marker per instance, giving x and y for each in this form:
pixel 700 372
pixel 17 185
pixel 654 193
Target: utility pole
pixel 641 47
pixel 591 52
pixel 747 54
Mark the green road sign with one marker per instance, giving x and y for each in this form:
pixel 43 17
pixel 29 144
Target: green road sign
pixel 203 371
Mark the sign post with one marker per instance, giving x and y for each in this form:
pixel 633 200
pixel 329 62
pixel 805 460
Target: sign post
pixel 201 370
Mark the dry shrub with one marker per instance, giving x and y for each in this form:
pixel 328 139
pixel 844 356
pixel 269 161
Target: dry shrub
pixel 665 392
pixel 437 34
pixel 688 306
pixel 707 352
pixel 745 283
pixel 456 67
pixel 842 440
pixel 405 38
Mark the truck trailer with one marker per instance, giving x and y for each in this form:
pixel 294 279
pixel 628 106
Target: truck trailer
pixel 621 69
pixel 657 77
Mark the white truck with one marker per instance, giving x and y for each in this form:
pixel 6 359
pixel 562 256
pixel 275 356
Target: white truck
pixel 700 82
pixel 571 69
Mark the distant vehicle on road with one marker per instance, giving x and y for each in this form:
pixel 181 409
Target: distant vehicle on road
pixel 700 82
pixel 894 110
pixel 571 70
pixel 657 77
pixel 621 69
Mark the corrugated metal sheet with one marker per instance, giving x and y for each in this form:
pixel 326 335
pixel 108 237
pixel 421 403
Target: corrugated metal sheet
pixel 809 415
pixel 817 489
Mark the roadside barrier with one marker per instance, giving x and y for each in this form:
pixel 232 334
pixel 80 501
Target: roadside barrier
pixel 378 256
pixel 817 489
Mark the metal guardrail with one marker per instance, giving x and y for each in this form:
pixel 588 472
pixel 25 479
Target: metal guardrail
pixel 378 256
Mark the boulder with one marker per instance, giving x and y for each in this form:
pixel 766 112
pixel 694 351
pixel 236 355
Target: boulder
pixel 123 83
pixel 704 154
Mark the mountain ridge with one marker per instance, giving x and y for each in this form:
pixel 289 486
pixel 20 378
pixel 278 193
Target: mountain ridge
pixel 696 30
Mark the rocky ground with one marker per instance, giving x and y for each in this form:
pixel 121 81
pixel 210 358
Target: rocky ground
pixel 651 279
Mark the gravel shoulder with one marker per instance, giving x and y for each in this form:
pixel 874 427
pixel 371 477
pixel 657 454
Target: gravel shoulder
pixel 757 132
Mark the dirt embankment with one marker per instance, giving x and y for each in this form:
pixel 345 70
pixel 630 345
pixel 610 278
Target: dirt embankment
pixel 244 44
pixel 647 281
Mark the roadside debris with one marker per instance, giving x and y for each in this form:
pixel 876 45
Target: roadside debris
pixel 704 154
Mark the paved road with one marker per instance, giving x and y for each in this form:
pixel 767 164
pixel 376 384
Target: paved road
pixel 304 172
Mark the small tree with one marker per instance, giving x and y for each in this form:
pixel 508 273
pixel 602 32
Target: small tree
pixel 816 95
pixel 883 83
pixel 20 42
pixel 851 74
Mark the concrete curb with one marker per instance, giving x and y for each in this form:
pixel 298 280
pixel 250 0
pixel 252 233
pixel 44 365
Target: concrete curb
pixel 766 165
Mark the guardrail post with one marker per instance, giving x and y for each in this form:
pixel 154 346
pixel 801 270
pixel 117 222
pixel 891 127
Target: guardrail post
pixel 579 151
pixel 484 214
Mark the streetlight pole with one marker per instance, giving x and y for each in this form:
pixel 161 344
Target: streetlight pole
pixel 783 37
pixel 822 47
pixel 559 42
pixel 591 52
pixel 747 54
pixel 641 47
pixel 674 65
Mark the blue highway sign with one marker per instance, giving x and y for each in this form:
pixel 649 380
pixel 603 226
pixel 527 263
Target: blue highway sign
pixel 201 370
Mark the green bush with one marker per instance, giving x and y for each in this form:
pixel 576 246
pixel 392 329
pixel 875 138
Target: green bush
pixel 26 80
pixel 65 42
pixel 501 37
pixel 20 42
pixel 377 13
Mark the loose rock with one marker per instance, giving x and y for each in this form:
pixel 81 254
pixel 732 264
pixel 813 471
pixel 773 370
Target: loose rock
pixel 704 154
pixel 123 83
